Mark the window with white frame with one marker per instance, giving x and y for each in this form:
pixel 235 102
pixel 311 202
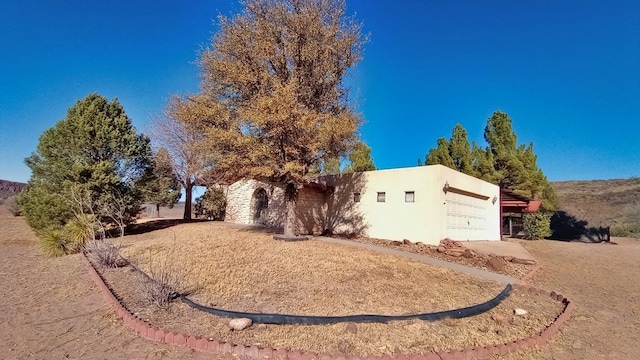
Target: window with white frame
pixel 381 196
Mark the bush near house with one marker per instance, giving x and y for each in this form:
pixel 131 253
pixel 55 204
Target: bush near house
pixel 536 225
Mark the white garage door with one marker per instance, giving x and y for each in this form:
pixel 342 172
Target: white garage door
pixel 466 217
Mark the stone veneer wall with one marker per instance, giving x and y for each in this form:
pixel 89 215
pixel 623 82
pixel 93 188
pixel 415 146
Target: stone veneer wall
pixel 311 206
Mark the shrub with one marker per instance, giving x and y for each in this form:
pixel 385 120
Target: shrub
pixel 536 225
pixel 626 230
pixel 212 205
pixel 163 284
pixel 81 229
pixel 104 254
pixel 55 242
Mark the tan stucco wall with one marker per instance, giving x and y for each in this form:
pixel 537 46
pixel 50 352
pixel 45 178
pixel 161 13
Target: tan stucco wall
pixel 433 216
pixel 424 220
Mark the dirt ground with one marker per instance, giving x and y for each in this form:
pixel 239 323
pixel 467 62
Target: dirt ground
pixel 51 309
pixel 604 282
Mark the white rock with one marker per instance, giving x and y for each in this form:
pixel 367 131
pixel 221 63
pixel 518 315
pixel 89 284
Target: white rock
pixel 520 312
pixel 240 323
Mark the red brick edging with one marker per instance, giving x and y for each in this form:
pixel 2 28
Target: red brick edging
pixel 206 345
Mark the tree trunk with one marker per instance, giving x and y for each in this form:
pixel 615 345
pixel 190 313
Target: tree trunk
pixel 290 199
pixel 158 210
pixel 188 192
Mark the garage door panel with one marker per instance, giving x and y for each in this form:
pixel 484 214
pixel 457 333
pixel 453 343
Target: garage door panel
pixel 466 216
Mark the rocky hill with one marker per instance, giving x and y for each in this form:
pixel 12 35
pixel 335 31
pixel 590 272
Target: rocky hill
pixel 614 203
pixel 10 188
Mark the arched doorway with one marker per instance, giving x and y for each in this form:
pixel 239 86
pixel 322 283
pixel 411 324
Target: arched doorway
pixel 260 206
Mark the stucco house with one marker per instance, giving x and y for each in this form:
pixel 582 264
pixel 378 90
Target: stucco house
pixel 423 203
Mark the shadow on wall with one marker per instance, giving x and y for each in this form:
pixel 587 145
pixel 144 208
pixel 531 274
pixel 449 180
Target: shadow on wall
pixel 343 216
pixel 565 227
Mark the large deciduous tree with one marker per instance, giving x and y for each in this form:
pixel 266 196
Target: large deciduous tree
pixel 178 132
pixel 277 72
pixel 161 187
pixel 94 151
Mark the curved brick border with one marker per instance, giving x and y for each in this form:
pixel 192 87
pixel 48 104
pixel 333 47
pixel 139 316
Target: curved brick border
pixel 206 345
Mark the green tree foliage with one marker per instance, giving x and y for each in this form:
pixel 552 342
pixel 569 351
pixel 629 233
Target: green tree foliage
pixel 90 162
pixel 483 163
pixel 211 205
pixel 161 187
pixel 273 104
pixel 537 225
pixel 330 166
pixel 460 150
pixel 440 154
pixel 516 167
pixel 503 162
pixel 454 153
pixel 360 159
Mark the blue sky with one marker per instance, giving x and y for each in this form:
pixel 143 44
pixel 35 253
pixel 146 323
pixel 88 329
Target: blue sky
pixel 567 72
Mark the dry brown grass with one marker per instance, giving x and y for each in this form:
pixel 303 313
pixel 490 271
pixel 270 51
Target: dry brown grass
pixel 249 271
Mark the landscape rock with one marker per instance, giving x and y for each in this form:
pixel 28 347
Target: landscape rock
pixel 508 258
pixel 441 249
pixel 523 261
pixel 406 242
pixel 238 324
pixel 452 244
pixel 520 312
pixel 496 264
pixel 351 328
pixel 468 253
pixel 454 252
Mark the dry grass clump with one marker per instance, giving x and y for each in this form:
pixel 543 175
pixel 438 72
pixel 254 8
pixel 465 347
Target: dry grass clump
pixel 163 282
pixel 104 254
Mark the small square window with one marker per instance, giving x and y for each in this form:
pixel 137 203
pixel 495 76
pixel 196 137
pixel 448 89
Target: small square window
pixel 381 196
pixel 356 197
pixel 409 196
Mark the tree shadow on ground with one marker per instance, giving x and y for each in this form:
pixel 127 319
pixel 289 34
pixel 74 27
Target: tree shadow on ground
pixel 154 225
pixel 566 227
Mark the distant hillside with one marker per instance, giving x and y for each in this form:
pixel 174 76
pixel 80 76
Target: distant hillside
pixel 10 188
pixel 614 203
